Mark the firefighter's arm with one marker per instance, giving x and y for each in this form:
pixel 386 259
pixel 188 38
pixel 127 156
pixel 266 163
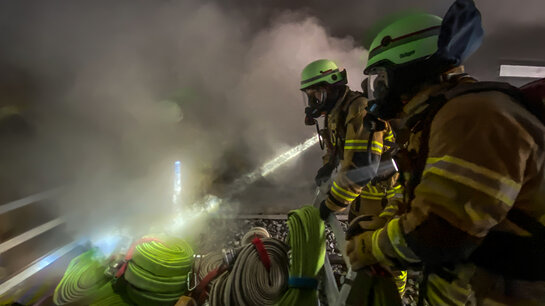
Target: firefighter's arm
pixel 469 184
pixel 360 160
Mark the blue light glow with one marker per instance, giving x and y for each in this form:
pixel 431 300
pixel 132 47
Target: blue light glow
pixel 177 181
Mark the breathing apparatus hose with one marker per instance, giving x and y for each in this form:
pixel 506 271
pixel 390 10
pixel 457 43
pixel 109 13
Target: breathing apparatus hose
pixel 84 281
pixel 307 243
pixel 158 271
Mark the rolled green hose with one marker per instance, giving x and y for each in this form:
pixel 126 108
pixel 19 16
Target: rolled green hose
pixel 145 280
pixel 141 297
pixel 157 272
pixel 170 258
pixel 306 239
pixel 112 299
pixel 84 281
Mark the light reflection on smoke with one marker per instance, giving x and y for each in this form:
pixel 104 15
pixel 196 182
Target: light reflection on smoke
pixel 211 203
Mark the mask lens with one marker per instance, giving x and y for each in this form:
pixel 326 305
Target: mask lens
pixel 378 83
pixel 370 86
pixel 323 96
pixel 312 100
pixel 304 99
pixel 314 97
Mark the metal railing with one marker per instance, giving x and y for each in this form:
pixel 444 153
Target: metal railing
pixel 30 252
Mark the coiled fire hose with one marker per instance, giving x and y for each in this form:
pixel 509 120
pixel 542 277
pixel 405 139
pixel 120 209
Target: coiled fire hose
pixel 208 263
pixel 158 271
pixel 257 231
pixel 306 239
pixel 218 290
pixel 251 282
pixel 259 275
pixel 207 268
pixel 113 299
pixel 84 281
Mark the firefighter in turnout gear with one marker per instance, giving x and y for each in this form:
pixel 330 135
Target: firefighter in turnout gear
pixel 475 179
pixel 363 181
pixel 347 141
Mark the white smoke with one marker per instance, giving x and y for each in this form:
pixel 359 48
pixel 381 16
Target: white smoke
pixel 134 86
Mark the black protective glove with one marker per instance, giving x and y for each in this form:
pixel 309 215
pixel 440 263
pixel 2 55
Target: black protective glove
pixel 324 174
pixel 324 211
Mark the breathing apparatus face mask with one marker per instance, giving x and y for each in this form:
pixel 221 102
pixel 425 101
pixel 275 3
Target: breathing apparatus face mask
pixel 314 99
pixel 384 101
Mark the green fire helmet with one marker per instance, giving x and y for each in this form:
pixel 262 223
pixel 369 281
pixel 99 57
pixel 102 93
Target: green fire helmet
pixel 322 71
pixel 408 39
